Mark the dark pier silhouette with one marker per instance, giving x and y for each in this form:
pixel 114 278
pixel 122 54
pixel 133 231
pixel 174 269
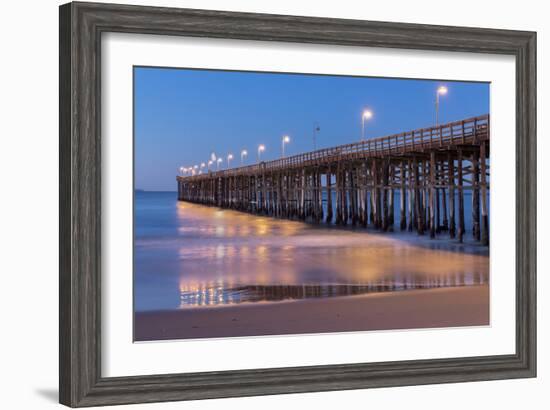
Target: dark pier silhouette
pixel 431 168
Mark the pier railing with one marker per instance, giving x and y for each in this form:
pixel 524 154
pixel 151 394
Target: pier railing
pixel 464 132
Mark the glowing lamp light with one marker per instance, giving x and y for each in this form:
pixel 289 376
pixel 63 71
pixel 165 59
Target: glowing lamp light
pixel 367 114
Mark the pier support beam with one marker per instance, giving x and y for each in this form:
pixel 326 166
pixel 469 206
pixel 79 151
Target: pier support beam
pixel 445 226
pixel 302 178
pixel 417 200
pixel 365 194
pixel 391 197
pixel 412 215
pixel 402 198
pixel 432 195
pixel 345 214
pixel 484 210
pixel 329 196
pixel 461 227
pixel 377 202
pixel 451 182
pixel 475 196
pixel 353 195
pixel 338 177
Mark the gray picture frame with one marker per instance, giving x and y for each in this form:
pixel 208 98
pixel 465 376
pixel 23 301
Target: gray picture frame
pixel 81 28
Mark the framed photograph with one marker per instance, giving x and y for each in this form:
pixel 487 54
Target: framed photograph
pixel 262 204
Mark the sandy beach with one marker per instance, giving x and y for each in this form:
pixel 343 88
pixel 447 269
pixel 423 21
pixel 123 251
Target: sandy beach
pixel 442 307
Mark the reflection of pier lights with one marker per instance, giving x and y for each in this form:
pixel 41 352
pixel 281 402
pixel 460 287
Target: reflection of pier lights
pixel 228 293
pixel 204 295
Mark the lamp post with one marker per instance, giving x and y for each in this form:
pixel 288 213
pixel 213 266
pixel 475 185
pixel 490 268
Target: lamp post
pixel 209 163
pixel 442 90
pixel 261 148
pixel 244 153
pixel 367 115
pixel 316 129
pixel 182 170
pixel 213 157
pixel 229 158
pixel 218 162
pixel 285 140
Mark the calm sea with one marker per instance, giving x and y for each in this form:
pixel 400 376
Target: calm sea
pixel 188 255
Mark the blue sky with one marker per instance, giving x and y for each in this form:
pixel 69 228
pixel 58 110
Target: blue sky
pixel 181 115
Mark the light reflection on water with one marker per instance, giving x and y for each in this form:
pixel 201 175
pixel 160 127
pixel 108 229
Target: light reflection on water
pixel 229 294
pixel 189 255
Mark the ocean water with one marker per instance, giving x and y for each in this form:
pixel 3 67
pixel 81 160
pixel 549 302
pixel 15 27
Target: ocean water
pixel 188 255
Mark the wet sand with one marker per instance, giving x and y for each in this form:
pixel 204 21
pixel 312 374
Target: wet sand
pixel 409 309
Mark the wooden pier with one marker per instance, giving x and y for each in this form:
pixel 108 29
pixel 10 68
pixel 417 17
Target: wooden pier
pixel 430 169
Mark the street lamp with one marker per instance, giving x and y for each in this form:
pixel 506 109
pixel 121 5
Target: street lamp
pixel 316 129
pixel 285 140
pixel 244 153
pixel 209 163
pixel 218 162
pixel 182 170
pixel 442 90
pixel 229 158
pixel 367 115
pixel 261 148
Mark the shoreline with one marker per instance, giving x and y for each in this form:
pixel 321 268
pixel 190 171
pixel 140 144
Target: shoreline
pixel 405 309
